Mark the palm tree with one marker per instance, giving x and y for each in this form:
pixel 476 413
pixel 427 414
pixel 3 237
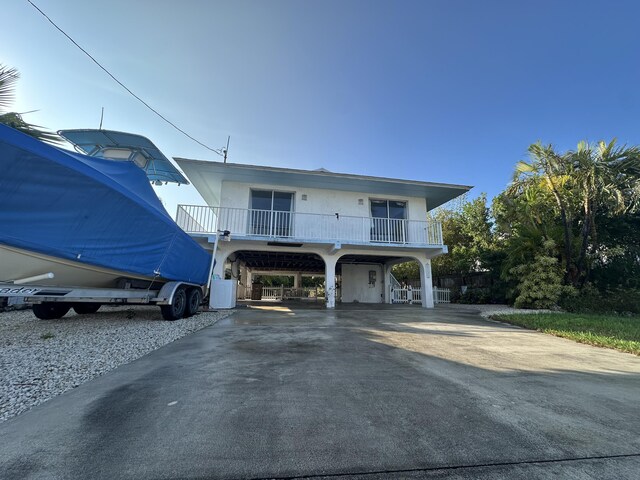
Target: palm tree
pixel 600 179
pixel 550 171
pixel 606 180
pixel 8 79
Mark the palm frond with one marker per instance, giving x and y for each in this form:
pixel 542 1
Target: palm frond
pixel 14 120
pixel 8 79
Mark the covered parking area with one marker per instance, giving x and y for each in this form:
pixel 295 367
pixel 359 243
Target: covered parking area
pixel 345 276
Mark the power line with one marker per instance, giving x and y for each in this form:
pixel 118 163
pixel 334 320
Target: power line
pixel 217 151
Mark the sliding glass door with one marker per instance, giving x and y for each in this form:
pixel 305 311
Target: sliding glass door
pixel 271 213
pixel 388 219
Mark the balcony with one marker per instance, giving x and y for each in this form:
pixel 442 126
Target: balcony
pixel 308 227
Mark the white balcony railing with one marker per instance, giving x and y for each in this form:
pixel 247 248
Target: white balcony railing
pixel 243 222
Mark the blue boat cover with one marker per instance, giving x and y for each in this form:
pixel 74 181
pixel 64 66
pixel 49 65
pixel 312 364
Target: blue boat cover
pixel 90 210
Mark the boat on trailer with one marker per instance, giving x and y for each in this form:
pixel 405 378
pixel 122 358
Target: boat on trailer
pixel 91 219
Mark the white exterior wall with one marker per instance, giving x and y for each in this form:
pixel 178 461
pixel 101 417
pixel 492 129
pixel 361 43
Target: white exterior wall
pixel 355 284
pixel 321 201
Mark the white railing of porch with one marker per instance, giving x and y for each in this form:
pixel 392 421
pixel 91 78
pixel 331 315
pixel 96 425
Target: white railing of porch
pixel 272 293
pixel 308 226
pixel 288 293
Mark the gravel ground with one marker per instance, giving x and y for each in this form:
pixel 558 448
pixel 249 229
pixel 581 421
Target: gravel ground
pixel 40 359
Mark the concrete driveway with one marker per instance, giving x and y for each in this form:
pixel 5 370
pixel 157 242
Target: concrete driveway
pixel 394 392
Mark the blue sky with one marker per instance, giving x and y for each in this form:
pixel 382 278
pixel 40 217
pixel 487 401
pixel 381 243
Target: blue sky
pixel 445 91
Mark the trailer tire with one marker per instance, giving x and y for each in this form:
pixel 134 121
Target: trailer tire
pixel 85 308
pixel 178 306
pixel 50 310
pixel 194 299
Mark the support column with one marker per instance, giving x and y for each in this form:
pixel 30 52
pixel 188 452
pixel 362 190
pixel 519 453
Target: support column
pixel 426 283
pixel 242 287
pixel 330 280
pixel 386 270
pixel 297 280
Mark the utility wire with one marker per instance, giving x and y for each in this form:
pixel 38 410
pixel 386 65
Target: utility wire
pixel 122 84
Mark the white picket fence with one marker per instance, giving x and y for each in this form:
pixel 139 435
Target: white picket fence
pixel 441 295
pixel 414 295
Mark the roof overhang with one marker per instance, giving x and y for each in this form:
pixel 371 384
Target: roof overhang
pixel 204 174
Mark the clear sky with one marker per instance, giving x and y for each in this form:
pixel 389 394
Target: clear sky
pixel 444 91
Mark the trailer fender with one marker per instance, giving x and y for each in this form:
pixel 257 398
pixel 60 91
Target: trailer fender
pixel 168 290
pixel 166 293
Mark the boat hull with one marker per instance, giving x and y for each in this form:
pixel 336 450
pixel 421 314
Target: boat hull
pixel 18 264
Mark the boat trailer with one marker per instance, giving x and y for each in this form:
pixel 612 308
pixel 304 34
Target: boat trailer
pixel 175 299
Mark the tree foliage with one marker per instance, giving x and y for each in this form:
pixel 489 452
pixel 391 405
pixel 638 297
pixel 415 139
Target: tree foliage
pixel 564 196
pixel 468 232
pixel 568 221
pixel 8 80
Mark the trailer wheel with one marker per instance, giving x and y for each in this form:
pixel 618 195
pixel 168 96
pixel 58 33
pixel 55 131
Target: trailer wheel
pixel 50 310
pixel 194 299
pixel 177 308
pixel 84 308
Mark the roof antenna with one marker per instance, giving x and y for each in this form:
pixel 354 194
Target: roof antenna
pixel 101 117
pixel 226 150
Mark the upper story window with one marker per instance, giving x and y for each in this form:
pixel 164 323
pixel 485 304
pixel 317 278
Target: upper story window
pixel 271 200
pixel 388 221
pixel 271 213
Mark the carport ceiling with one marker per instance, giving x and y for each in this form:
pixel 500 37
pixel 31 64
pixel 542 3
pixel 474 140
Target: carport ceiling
pixel 365 259
pixel 300 262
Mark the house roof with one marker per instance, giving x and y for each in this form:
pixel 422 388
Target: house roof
pixel 204 175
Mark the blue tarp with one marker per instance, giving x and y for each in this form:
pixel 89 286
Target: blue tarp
pixel 96 211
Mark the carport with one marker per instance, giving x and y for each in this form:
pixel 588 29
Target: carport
pixel 359 278
pixel 249 266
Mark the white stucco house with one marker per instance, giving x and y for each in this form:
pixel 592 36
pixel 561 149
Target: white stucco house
pixel 350 228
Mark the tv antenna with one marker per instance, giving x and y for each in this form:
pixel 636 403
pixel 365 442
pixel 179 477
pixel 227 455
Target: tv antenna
pixel 225 151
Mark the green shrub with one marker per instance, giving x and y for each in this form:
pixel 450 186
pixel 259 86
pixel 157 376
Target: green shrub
pixel 539 282
pixel 475 296
pixel 590 300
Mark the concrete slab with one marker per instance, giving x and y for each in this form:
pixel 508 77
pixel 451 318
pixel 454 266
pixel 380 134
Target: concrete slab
pixel 368 393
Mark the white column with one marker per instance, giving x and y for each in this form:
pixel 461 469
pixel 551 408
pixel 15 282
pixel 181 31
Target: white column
pixel 386 268
pixel 330 280
pixel 426 283
pixel 242 287
pixel 297 280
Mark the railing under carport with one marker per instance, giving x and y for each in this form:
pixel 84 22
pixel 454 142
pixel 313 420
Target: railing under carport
pixel 289 293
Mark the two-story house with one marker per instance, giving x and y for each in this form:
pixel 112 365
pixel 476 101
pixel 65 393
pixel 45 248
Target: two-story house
pixel 297 222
